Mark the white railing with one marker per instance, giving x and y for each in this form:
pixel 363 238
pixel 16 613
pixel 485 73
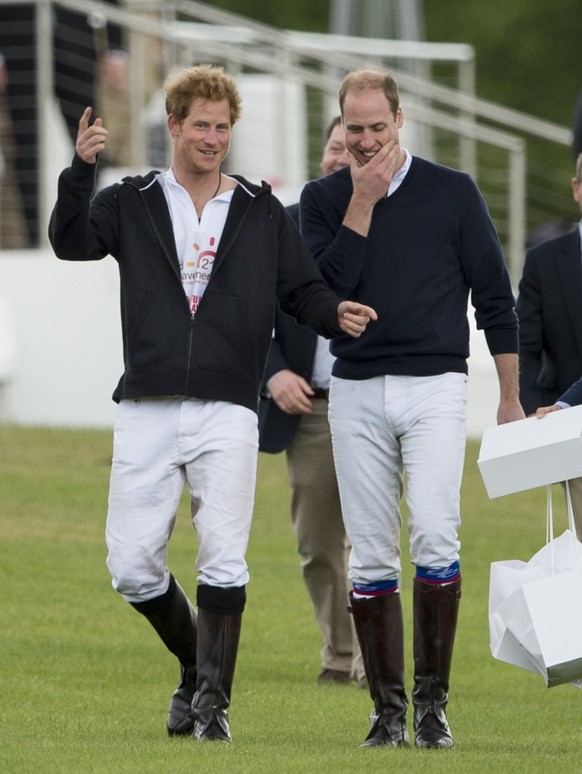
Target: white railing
pixel 189 31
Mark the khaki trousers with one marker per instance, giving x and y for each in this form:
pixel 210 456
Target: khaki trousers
pixel 321 539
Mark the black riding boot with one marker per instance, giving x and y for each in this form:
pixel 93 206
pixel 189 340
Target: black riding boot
pixel 380 633
pixel 174 619
pixel 436 608
pixel 219 624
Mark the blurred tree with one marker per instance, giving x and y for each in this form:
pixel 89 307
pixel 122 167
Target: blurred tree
pixel 307 15
pixel 527 50
pixel 527 58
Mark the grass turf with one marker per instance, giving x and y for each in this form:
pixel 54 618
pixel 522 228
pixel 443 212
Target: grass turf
pixel 85 682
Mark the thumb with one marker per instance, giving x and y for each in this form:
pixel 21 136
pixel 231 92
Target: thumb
pixel 84 120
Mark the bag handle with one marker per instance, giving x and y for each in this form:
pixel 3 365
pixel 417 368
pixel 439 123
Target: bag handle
pixel 571 526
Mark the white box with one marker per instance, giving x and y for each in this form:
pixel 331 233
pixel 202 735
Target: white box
pixel 532 452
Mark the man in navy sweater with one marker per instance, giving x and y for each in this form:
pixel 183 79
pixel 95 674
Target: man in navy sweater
pixel 412 239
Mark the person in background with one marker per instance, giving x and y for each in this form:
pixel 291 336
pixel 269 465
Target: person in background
pixel 114 92
pixel 203 258
pixel 334 156
pixel 577 127
pixel 549 307
pixel 414 239
pixel 293 418
pixel 80 49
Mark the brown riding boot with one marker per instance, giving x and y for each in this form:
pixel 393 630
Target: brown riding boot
pixel 436 608
pixel 379 627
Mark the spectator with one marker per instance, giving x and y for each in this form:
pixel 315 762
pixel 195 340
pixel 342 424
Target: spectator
pixel 76 46
pixel 114 92
pixel 415 239
pixel 577 127
pixel 293 417
pixel 549 307
pixel 203 257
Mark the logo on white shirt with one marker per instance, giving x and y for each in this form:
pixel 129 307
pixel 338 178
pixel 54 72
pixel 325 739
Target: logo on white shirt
pixel 196 270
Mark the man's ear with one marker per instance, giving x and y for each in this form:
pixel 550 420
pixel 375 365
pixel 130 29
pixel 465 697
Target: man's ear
pixel 399 118
pixel 173 125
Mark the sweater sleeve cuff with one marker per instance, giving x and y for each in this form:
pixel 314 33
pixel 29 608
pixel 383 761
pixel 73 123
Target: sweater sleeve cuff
pixel 502 341
pixel 81 169
pixel 349 241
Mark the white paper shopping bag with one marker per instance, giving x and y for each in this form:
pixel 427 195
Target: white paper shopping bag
pixel 535 608
pixel 554 605
pixel 510 628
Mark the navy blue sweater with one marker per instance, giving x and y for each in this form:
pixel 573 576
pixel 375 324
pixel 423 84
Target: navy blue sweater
pixel 430 245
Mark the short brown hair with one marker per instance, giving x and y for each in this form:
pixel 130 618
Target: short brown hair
pixel 366 79
pixel 202 81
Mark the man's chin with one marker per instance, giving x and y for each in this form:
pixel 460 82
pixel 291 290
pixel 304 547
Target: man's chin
pixel 362 160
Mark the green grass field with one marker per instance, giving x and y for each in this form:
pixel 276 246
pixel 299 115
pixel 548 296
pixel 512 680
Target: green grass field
pixel 85 683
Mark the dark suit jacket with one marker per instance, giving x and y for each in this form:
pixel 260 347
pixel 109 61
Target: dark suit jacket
pixel 293 347
pixel 573 396
pixel 577 127
pixel 549 306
